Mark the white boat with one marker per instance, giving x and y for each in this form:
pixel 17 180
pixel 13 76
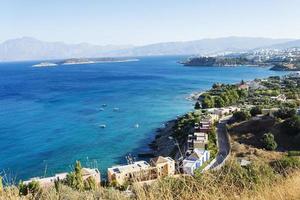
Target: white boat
pixel 136 125
pixel 116 109
pixel 101 109
pixel 102 126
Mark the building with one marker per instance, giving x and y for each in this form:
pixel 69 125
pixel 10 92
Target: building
pixel 195 161
pixel 141 171
pixel 49 181
pixel 165 166
pixel 243 87
pixel 280 97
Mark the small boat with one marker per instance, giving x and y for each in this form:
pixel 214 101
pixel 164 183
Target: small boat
pixel 101 109
pixel 104 105
pixel 136 125
pixel 116 109
pixel 102 126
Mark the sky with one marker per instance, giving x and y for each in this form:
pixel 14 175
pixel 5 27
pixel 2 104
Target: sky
pixel 140 22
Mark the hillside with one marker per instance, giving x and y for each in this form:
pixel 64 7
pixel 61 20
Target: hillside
pixel 27 48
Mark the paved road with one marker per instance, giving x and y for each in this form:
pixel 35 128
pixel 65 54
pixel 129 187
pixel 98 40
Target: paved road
pixel 223 142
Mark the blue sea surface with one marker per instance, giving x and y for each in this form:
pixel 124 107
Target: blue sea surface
pixel 50 117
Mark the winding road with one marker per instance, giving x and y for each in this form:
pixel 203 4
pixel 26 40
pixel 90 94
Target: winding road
pixel 223 143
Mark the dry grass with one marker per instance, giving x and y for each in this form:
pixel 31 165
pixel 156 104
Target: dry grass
pixel 257 182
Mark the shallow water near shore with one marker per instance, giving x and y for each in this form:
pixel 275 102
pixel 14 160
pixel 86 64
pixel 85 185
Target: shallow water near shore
pixel 50 117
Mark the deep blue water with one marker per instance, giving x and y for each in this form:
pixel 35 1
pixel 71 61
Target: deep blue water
pixel 50 117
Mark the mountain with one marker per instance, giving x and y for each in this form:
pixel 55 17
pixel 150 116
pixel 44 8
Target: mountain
pixel 27 48
pixel 285 45
pixel 204 46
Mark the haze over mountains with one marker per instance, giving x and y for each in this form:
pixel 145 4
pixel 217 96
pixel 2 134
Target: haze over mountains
pixel 28 48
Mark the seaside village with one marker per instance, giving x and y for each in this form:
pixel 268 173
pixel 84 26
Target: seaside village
pixel 196 155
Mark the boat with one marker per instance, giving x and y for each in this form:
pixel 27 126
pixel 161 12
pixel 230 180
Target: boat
pixel 116 109
pixel 102 126
pixel 136 125
pixel 104 105
pixel 101 109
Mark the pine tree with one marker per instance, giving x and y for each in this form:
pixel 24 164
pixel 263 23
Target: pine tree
pixel 78 176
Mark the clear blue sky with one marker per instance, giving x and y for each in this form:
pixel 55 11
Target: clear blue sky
pixel 147 21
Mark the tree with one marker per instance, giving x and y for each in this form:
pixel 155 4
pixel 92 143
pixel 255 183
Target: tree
pixel 292 126
pixel 197 105
pixel 219 102
pixel 241 116
pixel 74 179
pixel 269 141
pixel 255 111
pixel 284 113
pixel 78 176
pixel 208 102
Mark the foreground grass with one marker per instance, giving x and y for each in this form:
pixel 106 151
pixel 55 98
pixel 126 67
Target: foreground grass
pixel 256 181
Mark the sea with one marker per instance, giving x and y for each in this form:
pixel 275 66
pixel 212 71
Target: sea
pixel 96 113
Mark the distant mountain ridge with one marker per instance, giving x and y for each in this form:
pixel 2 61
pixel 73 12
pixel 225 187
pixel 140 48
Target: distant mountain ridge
pixel 28 48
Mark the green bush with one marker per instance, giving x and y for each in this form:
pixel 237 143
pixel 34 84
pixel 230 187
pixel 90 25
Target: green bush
pixel 293 153
pixel 255 111
pixel 31 188
pixel 291 126
pixel 284 113
pixel 241 116
pixel 269 141
pixel 286 164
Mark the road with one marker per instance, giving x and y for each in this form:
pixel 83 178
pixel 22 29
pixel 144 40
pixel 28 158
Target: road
pixel 223 143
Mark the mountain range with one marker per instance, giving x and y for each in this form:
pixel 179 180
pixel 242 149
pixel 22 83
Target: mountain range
pixel 28 48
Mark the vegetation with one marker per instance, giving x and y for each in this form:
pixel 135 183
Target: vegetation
pixel 241 116
pixel 291 126
pixel 258 180
pixel 285 112
pixel 255 111
pixel 269 141
pixel 222 95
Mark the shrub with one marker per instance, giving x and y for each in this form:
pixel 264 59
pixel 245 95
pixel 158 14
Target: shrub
pixel 90 183
pixel 241 116
pixel 75 179
pixel 293 153
pixel 33 188
pixel 197 105
pixel 269 141
pixel 255 111
pixel 291 126
pixel 284 113
pixel 286 164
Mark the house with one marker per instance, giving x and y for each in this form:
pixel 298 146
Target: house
pixel 200 140
pixel 137 171
pixel 243 86
pixel 195 161
pixel 141 171
pixel 165 166
pixel 49 181
pixel 280 97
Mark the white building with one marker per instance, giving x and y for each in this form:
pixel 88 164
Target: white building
pixel 49 181
pixel 195 161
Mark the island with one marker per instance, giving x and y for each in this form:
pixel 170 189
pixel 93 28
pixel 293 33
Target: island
pixel 218 61
pixel 78 61
pixel 45 64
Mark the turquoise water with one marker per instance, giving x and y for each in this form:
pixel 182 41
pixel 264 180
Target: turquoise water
pixel 50 117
